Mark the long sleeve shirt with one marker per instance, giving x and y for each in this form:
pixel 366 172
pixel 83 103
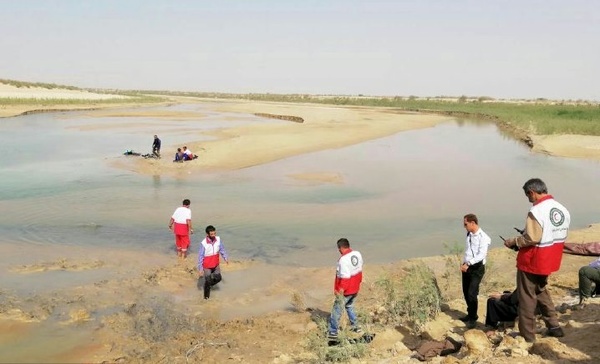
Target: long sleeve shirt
pixel 202 254
pixel 595 264
pixel 532 235
pixel 477 244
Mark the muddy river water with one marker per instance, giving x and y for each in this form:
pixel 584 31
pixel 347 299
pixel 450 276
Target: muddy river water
pixel 396 197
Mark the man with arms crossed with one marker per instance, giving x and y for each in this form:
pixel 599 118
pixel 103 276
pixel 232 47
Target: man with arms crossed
pixel 540 253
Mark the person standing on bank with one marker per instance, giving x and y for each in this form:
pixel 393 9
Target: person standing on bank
pixel 348 277
pixel 473 266
pixel 156 146
pixel 181 225
pixel 540 254
pixel 208 259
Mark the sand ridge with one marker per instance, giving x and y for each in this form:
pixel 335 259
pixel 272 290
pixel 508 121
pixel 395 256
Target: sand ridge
pixel 324 127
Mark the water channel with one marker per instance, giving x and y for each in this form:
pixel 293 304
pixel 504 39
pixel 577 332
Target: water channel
pixel 400 196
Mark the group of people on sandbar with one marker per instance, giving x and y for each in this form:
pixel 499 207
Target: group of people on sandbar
pixel 184 154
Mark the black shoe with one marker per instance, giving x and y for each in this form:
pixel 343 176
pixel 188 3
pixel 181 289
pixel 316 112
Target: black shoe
pixel 465 318
pixel 555 332
pixel 471 324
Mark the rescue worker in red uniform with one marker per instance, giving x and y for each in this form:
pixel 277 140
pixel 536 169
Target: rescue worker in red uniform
pixel 208 259
pixel 540 254
pixel 348 277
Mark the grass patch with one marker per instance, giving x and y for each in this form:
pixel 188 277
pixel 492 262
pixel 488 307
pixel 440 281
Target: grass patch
pixel 452 276
pixel 342 353
pixel 415 300
pixel 538 116
pixel 49 86
pixel 6 101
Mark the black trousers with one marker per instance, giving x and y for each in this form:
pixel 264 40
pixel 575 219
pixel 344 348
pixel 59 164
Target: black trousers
pixel 212 276
pixel 470 285
pixel 499 311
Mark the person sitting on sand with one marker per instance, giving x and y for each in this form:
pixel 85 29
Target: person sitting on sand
pixel 187 154
pixel 501 308
pixel 178 156
pixel 588 274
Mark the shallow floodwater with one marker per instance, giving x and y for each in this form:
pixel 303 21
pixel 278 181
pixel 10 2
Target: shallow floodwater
pixel 401 196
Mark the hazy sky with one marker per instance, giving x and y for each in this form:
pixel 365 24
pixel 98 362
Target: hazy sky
pixel 508 49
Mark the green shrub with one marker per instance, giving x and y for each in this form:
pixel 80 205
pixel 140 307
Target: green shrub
pixel 421 297
pixel 415 300
pixel 317 344
pixel 452 275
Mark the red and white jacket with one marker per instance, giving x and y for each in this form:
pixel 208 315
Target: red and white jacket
pixel 208 256
pixel 348 275
pixel 545 257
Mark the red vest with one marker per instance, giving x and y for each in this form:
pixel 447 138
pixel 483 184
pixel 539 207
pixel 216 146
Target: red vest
pixel 545 257
pixel 349 273
pixel 211 253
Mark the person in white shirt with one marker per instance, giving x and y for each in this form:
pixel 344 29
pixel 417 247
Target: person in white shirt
pixel 187 154
pixel 181 225
pixel 473 266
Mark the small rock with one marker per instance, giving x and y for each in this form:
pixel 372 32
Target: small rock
pixel 477 343
pixel 283 359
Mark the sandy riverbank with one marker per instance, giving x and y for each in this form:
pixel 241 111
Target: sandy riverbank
pixel 235 148
pixel 113 306
pixel 38 99
pixel 324 127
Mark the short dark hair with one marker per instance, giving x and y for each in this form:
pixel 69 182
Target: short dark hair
pixel 471 218
pixel 186 202
pixel 536 185
pixel 343 243
pixel 210 228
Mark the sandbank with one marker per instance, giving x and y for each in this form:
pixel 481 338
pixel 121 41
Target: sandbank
pixel 56 99
pixel 568 145
pixel 324 127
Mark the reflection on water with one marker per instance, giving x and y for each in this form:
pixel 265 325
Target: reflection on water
pixel 401 196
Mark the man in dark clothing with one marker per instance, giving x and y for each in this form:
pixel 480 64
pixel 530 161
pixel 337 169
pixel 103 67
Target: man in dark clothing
pixel 156 147
pixel 501 308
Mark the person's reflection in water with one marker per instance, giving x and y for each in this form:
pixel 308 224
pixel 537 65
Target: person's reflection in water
pixel 156 180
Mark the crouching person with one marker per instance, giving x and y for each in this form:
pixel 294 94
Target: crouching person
pixel 348 277
pixel 501 308
pixel 208 259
